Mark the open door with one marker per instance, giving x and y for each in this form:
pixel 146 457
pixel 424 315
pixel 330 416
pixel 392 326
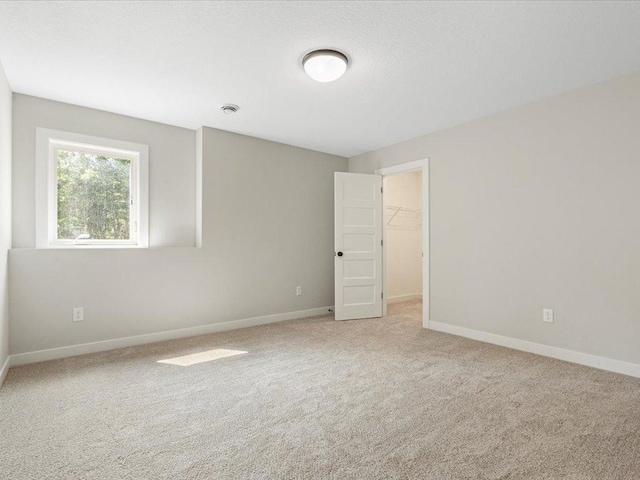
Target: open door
pixel 358 246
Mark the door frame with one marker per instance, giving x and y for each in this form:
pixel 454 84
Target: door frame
pixel 423 165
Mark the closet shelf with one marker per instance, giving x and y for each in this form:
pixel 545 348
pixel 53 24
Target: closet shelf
pixel 403 218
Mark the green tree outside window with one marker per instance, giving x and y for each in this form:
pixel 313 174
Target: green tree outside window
pixel 94 194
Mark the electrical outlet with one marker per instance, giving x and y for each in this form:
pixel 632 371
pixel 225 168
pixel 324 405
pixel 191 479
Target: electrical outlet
pixel 298 291
pixel 547 315
pixel 78 314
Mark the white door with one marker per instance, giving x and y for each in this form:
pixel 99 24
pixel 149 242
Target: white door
pixel 358 246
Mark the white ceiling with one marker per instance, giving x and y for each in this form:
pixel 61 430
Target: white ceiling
pixel 416 67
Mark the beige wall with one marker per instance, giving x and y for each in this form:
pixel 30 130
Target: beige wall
pixel 404 234
pixel 267 227
pixel 172 168
pixel 538 207
pixel 5 211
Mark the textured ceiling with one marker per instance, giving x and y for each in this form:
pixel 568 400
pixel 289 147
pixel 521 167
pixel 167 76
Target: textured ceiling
pixel 416 66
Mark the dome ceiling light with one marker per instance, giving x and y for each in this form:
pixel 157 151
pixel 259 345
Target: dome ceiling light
pixel 325 65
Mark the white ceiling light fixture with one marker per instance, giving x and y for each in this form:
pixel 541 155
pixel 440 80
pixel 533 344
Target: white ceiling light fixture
pixel 325 65
pixel 229 108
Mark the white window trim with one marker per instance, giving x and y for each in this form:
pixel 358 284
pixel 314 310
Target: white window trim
pixel 46 187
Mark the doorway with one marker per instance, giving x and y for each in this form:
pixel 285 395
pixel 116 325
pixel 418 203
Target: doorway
pixel 360 270
pixel 406 236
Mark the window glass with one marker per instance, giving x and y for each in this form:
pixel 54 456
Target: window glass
pixel 93 196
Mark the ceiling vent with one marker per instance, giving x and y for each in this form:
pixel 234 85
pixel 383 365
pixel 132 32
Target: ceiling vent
pixel 229 108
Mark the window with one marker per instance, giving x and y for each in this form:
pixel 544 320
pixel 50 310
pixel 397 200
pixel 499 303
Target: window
pixel 90 192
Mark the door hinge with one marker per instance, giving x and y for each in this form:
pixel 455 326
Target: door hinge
pixel 381 294
pixel 382 243
pixel 380 189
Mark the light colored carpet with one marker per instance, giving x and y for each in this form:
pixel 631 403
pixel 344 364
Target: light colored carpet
pixel 315 398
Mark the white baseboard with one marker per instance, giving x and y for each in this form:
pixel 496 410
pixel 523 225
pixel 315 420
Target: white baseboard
pixel 73 350
pixel 603 363
pixel 4 370
pixel 404 298
pixel 589 360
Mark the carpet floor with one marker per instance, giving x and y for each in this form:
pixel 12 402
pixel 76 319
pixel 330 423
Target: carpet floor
pixel 316 399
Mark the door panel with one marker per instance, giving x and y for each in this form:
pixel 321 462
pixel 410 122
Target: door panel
pixel 359 269
pixel 358 236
